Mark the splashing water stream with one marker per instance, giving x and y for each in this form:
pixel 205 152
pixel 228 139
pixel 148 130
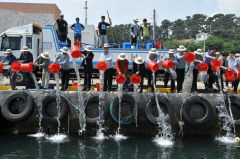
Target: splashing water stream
pixel 58 99
pixel 136 96
pixel 188 80
pixel 120 95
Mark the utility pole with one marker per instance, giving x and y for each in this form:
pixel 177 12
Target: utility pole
pixel 86 8
pixel 154 24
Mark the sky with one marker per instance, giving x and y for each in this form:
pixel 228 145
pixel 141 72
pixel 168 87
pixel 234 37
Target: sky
pixel 125 11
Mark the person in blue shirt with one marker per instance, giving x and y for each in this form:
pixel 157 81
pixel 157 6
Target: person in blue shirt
pixel 208 57
pixel 198 59
pixel 180 69
pixel 10 58
pixel 77 27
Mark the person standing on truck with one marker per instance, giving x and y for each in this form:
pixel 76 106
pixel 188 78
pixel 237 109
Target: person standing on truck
pixel 145 32
pixel 87 67
pixel 43 62
pixel 27 57
pixel 180 69
pixel 13 75
pixel 152 56
pixel 139 69
pixel 62 28
pixel 134 31
pixel 102 30
pixel 65 68
pixel 122 67
pixel 167 73
pixel 77 27
pixel 108 74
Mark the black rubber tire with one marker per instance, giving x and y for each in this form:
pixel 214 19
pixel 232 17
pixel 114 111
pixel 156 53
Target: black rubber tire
pixel 93 101
pixel 163 102
pixel 63 113
pixel 115 107
pixel 235 101
pixel 24 113
pixel 186 110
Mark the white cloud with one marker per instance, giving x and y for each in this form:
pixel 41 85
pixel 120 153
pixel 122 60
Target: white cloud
pixel 229 6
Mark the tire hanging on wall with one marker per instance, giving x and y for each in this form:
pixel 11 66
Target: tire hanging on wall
pixel 64 108
pixel 92 117
pixel 17 107
pixel 127 99
pixel 186 110
pixel 164 102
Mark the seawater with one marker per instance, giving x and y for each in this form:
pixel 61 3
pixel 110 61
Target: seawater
pixel 22 147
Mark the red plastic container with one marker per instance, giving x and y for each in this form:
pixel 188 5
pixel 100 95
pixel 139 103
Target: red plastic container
pixel 238 75
pixel 75 52
pixel 1 69
pixel 54 68
pixel 159 44
pixel 75 84
pixel 78 43
pixel 153 66
pixel 98 86
pixel 136 79
pixel 15 66
pixel 230 76
pixel 217 63
pixel 189 57
pixel 102 66
pixel 203 67
pixel 165 64
pixel 26 67
pixel 171 64
pixel 120 79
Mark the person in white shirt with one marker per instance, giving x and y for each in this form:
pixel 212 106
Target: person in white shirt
pixel 108 74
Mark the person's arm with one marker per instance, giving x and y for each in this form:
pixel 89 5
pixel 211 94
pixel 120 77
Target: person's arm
pixel 82 27
pixel 175 61
pixel 99 27
pixel 66 59
pixel 36 60
pixel 118 66
pixel 109 58
pixel 57 58
pixel 73 27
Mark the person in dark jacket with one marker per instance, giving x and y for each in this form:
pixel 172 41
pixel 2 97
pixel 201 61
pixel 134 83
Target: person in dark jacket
pixel 87 67
pixel 62 28
pixel 27 57
pixel 139 69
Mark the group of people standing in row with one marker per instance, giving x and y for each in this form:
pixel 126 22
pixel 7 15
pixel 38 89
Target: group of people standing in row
pixel 143 31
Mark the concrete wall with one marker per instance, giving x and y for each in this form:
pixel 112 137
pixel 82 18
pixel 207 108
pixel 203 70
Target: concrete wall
pixel 71 124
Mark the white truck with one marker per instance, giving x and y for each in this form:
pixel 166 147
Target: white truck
pixel 45 39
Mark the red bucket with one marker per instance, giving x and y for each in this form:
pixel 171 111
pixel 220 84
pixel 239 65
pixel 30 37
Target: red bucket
pixel 102 66
pixel 1 69
pixel 75 84
pixel 189 57
pixel 75 52
pixel 98 86
pixel 171 64
pixel 136 79
pixel 202 67
pixel 238 75
pixel 165 64
pixel 15 66
pixel 153 66
pixel 26 67
pixel 230 76
pixel 217 63
pixel 78 43
pixel 120 79
pixel 54 68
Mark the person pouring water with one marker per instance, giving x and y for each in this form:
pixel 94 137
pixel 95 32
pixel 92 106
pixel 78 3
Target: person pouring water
pixel 122 67
pixel 198 59
pixel 139 69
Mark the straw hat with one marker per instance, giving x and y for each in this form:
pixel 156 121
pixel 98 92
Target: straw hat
pixel 237 54
pixel 138 60
pixel 136 20
pixel 45 55
pixel 8 51
pixel 106 45
pixel 217 53
pixel 181 48
pixel 153 51
pixel 122 56
pixel 25 48
pixel 88 48
pixel 171 51
pixel 65 50
pixel 199 52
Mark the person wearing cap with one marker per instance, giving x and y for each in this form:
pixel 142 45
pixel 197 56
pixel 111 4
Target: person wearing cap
pixel 122 67
pixel 167 73
pixel 102 30
pixel 236 68
pixel 10 58
pixel 77 27
pixel 43 61
pixel 198 59
pixel 145 32
pixel 207 58
pixel 62 28
pixel 108 74
pixel 237 55
pixel 27 57
pixel 139 69
pixel 152 56
pixel 223 69
pixel 65 68
pixel 87 67
pixel 180 68
pixel 134 31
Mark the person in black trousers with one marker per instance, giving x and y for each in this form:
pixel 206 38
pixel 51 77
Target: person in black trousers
pixel 62 28
pixel 198 59
pixel 180 69
pixel 139 69
pixel 87 67
pixel 27 57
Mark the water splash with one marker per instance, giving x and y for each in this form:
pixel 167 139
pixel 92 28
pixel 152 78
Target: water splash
pixel 120 95
pixel 161 141
pixel 82 115
pixel 227 121
pixel 173 74
pixel 37 135
pixel 188 80
pixel 203 76
pixel 39 102
pixel 59 138
pixel 165 130
pixel 58 100
pixel 119 137
pixel 226 140
pixel 136 97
